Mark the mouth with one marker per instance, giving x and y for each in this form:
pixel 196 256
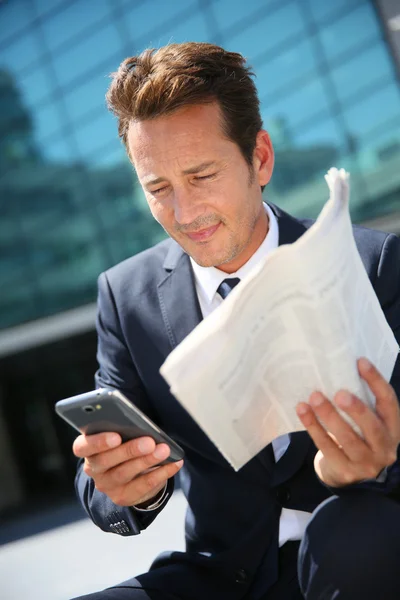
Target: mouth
pixel 204 234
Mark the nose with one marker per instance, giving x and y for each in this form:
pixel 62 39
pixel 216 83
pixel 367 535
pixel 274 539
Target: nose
pixel 186 207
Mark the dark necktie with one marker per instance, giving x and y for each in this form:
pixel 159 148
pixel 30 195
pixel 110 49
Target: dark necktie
pixel 227 286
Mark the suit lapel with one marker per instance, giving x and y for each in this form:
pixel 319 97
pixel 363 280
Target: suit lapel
pixel 177 295
pixel 290 229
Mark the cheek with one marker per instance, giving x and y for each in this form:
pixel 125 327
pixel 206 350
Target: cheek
pixel 159 212
pixel 230 201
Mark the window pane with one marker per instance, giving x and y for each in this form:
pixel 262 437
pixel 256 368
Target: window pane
pixel 87 54
pixel 72 19
pixel 114 197
pixel 96 133
pixel 303 157
pixel 232 12
pixel 309 195
pixel 384 144
pixel 59 151
pixel 265 33
pixel 193 29
pixel 60 196
pixel 326 133
pixel 47 121
pixel 42 7
pixel 362 70
pixel 323 11
pixel 14 17
pixel 113 155
pixel 21 53
pixel 379 159
pixel 36 86
pixel 294 63
pixel 76 261
pixel 145 30
pixel 353 29
pixel 90 95
pixel 372 111
pixel 300 106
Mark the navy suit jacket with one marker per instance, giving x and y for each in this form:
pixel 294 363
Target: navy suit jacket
pixel 147 305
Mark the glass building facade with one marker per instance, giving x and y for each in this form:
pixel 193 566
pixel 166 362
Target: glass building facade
pixel 70 205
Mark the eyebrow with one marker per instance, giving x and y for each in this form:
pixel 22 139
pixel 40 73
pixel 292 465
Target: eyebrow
pixel 191 171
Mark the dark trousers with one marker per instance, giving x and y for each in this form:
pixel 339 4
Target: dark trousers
pixel 351 549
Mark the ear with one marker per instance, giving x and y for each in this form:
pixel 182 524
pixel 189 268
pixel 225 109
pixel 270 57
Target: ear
pixel 263 158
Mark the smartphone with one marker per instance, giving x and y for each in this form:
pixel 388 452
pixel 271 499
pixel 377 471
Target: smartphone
pixel 109 410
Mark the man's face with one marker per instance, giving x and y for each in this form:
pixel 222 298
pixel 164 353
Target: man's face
pixel 199 187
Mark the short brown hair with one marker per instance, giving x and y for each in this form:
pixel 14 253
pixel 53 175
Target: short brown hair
pixel 160 81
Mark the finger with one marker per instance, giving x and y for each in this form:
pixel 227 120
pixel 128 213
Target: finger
pixel 352 444
pixel 85 446
pixel 387 404
pixel 320 437
pixel 129 470
pixel 144 486
pixel 102 462
pixel 376 438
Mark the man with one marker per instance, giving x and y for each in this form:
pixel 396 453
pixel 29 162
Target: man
pixel 189 118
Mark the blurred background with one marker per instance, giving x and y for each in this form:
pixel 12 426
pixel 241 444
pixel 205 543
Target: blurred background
pixel 70 206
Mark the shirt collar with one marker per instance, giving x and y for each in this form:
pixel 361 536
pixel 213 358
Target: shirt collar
pixel 210 278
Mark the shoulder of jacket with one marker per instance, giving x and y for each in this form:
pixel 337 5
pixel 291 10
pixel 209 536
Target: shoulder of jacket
pixel 368 241
pixel 148 261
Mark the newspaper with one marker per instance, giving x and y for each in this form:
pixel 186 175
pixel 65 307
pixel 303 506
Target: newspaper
pixel 296 324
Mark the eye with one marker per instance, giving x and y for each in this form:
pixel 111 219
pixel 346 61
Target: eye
pixel 206 176
pixel 156 192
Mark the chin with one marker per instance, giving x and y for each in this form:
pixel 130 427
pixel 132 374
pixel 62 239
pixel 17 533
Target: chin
pixel 212 254
pixel 202 261
pixel 210 261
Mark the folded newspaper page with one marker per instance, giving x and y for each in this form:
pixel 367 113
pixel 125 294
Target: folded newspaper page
pixel 296 324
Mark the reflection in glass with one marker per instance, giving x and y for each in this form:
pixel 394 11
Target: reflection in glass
pixel 48 121
pixel 69 200
pixel 350 31
pixel 370 67
pixel 257 33
pixel 36 86
pixel 276 74
pixel 71 19
pixel 145 30
pixel 22 53
pixel 324 11
pixel 302 104
pixel 81 58
pixel 383 104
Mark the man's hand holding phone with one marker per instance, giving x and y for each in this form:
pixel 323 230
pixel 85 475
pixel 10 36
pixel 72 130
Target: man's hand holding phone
pixel 128 473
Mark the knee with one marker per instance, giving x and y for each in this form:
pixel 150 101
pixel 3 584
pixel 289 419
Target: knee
pixel 351 548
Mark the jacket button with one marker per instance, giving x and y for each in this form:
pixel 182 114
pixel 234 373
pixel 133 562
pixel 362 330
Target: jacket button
pixel 283 495
pixel 241 576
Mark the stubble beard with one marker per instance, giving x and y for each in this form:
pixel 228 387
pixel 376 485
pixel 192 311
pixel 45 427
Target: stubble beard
pixel 235 247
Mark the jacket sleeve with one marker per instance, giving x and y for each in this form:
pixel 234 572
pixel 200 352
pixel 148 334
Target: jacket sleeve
pixel 116 370
pixel 387 286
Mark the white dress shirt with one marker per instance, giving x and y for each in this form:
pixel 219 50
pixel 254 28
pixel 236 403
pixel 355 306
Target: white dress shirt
pixel 207 279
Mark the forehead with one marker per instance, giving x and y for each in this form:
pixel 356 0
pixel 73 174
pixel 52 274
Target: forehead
pixel 190 134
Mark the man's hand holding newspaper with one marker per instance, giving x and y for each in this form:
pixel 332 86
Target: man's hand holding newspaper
pixel 288 339
pixel 344 457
